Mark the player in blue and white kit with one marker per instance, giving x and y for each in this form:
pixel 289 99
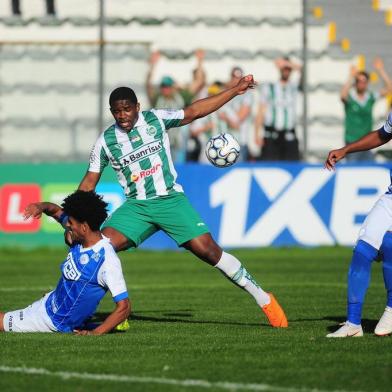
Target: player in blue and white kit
pixel 375 235
pixel 90 269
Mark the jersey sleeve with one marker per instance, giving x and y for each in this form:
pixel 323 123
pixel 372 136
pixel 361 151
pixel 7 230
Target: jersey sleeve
pixel 386 130
pixel 98 157
pixel 110 276
pixel 171 117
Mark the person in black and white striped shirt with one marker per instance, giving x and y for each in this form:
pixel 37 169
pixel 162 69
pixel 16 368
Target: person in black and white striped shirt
pixel 277 115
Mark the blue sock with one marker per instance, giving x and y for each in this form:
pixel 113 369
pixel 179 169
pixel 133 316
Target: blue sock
pixel 358 279
pixel 387 265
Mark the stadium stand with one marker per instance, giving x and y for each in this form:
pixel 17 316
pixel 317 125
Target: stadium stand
pixel 53 74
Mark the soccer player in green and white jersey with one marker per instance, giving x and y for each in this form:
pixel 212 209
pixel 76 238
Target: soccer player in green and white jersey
pixel 137 148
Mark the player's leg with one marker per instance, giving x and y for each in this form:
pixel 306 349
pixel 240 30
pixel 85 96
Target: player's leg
pixel 34 318
pixel 205 248
pixel 384 326
pixel 1 322
pixel 118 240
pixel 291 148
pixel 176 216
pixel 269 151
pixel 369 242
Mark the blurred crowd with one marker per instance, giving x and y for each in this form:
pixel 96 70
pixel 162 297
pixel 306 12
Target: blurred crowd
pixel 264 121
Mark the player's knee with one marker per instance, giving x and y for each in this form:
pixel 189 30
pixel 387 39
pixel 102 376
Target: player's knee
pixel 118 240
pixel 365 251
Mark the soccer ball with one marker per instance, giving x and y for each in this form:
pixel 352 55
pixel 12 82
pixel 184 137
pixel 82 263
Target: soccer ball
pixel 222 150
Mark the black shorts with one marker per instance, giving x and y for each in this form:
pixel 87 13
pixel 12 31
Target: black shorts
pixel 280 145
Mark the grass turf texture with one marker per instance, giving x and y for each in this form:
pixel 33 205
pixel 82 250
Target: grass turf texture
pixel 189 322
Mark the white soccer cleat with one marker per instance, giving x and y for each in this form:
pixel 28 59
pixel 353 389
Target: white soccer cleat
pixel 347 330
pixel 384 326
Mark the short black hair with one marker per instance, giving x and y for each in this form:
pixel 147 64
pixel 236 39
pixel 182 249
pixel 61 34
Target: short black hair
pixel 86 207
pixel 122 93
pixel 363 73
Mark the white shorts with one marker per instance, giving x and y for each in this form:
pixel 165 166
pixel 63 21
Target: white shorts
pixel 378 222
pixel 34 318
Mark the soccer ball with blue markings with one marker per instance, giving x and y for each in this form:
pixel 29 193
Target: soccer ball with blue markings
pixel 222 150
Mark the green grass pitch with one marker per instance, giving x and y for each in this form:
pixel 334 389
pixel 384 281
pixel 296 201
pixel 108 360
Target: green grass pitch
pixel 192 330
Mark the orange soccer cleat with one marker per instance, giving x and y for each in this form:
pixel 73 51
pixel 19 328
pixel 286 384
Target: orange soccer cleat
pixel 275 313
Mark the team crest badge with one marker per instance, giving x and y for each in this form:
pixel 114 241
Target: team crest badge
pixel 151 130
pixel 96 257
pixel 84 259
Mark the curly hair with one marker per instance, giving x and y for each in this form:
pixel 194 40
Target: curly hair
pixel 86 207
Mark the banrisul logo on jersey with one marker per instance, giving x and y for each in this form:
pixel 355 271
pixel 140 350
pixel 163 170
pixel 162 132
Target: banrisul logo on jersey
pixel 141 152
pixel 135 177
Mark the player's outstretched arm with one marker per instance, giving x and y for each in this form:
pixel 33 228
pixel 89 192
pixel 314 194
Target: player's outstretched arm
pixel 368 142
pixel 203 107
pixel 121 313
pixel 89 181
pixel 35 210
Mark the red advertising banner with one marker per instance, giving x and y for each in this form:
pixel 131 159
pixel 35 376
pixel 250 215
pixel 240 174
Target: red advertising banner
pixel 13 199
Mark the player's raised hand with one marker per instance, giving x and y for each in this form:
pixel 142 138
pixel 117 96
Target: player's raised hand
pixel 32 210
pixel 334 156
pixel 353 71
pixel 200 54
pixel 154 57
pixel 378 64
pixel 245 83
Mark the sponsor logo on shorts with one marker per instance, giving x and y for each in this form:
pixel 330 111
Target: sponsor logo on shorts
pixel 201 224
pixel 21 315
pixel 10 322
pixel 141 152
pixel 145 173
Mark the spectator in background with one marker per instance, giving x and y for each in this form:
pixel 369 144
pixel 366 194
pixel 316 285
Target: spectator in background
pixel 358 103
pixel 276 114
pixel 170 95
pixel 50 8
pixel 237 115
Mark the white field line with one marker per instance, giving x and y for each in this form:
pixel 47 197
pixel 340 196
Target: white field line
pixel 228 386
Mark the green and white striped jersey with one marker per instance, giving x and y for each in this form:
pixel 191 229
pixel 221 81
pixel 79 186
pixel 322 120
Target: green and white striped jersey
pixel 141 157
pixel 281 101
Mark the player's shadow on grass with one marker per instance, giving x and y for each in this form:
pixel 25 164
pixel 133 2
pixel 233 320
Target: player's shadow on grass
pixel 174 317
pixel 367 325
